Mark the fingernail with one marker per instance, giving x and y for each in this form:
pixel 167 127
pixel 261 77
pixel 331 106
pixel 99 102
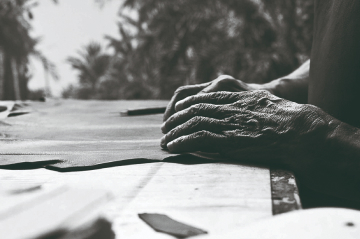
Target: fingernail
pixel 163 141
pixel 170 145
pixel 179 106
pixel 163 127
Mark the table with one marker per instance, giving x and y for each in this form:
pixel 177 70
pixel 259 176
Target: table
pixel 213 196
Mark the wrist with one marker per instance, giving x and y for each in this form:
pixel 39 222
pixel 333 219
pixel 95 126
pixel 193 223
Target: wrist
pixel 270 86
pixel 273 88
pixel 317 141
pixel 343 139
pixel 333 167
pixel 290 88
pixel 341 146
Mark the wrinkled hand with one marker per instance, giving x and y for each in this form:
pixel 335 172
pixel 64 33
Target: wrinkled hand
pixel 222 83
pixel 253 125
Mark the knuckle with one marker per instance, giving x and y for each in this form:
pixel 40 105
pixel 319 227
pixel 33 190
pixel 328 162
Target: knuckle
pixel 172 134
pixel 201 105
pixel 255 96
pixel 223 96
pixel 196 120
pixel 196 108
pixel 219 94
pixel 170 120
pixel 193 122
pixel 202 134
pixel 179 140
pixel 262 93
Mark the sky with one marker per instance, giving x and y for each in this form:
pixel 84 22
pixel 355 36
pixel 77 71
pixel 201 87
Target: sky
pixel 64 29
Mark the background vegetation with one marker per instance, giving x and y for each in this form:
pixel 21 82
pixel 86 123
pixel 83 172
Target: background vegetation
pixel 167 44
pixel 16 46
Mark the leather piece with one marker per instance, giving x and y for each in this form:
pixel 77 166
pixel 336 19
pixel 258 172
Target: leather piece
pixel 79 135
pixel 163 223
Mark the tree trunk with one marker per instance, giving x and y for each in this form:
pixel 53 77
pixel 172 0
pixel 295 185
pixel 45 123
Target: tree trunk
pixel 2 73
pixel 15 74
pixel 47 84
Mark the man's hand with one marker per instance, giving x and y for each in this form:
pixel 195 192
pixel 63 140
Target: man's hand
pixel 222 83
pixel 253 126
pixel 293 87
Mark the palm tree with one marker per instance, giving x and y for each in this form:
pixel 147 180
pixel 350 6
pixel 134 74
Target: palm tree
pixel 92 64
pixel 193 41
pixel 185 41
pixel 2 72
pixel 16 45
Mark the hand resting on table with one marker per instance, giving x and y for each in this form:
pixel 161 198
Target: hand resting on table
pixel 222 83
pixel 257 127
pixel 253 126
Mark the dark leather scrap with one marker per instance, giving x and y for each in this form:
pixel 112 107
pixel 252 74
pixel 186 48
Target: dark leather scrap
pixel 165 224
pixel 68 135
pixel 77 155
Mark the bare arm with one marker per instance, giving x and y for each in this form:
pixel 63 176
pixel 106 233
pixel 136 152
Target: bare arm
pixel 335 166
pixel 293 87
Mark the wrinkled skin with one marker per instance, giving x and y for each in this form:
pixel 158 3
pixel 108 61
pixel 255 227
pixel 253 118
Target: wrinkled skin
pixel 251 126
pixel 222 83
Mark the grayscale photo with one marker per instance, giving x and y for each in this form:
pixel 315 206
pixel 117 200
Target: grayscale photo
pixel 168 119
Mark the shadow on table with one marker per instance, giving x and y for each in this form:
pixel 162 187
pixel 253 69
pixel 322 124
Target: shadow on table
pixel 189 159
pixel 29 165
pixel 55 164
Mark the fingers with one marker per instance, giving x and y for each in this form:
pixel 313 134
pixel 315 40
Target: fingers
pixel 196 124
pixel 180 94
pixel 204 141
pixel 206 110
pixel 218 84
pixel 226 83
pixel 221 97
pixel 216 87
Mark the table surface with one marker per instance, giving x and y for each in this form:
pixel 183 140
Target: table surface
pixel 216 197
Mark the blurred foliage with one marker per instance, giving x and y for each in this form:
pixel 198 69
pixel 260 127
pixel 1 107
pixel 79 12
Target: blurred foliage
pixel 174 43
pixel 16 46
pixel 92 64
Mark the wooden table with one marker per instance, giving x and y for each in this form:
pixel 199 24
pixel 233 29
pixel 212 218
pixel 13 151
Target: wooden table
pixel 216 197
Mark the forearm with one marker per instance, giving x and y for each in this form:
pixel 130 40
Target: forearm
pixel 293 87
pixel 344 146
pixel 334 168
